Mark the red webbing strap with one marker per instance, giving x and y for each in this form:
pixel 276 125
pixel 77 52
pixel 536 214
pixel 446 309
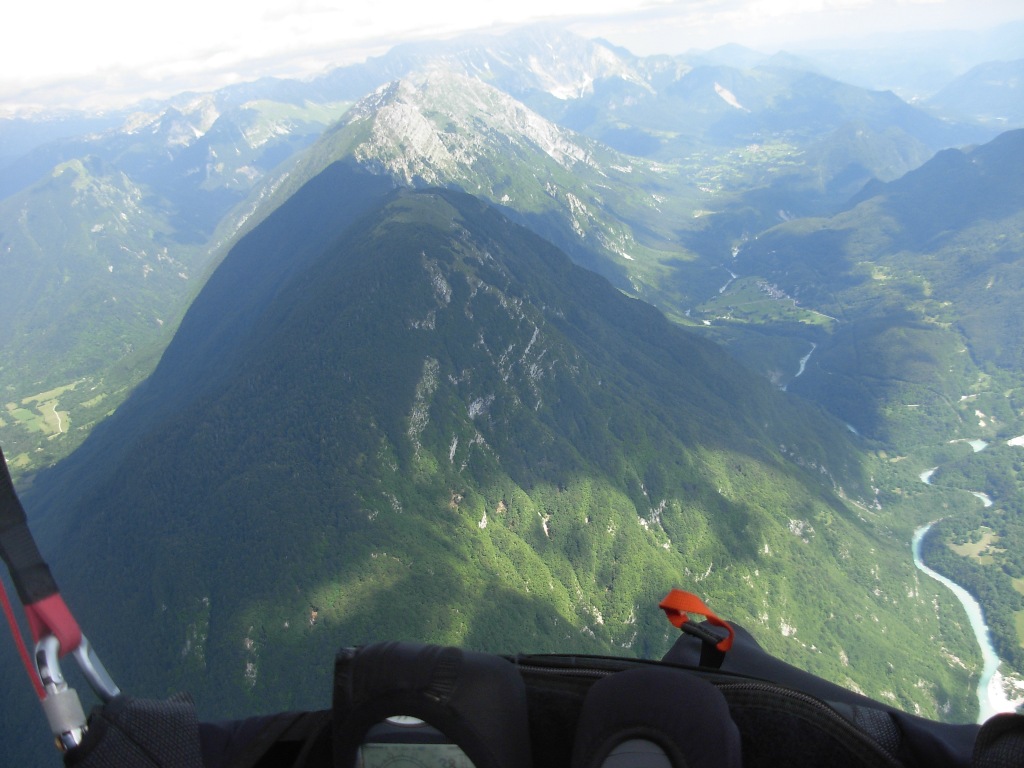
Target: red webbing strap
pixel 51 616
pixel 20 643
pixel 679 603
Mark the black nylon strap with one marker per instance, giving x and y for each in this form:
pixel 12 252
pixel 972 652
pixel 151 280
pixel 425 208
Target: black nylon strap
pixel 31 575
pixel 286 740
pixel 710 656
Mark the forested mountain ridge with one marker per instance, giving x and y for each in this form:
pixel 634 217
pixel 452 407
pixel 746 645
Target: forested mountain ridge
pixel 918 287
pixel 322 395
pixel 611 212
pixel 104 239
pixel 720 133
pixel 440 414
pixel 920 278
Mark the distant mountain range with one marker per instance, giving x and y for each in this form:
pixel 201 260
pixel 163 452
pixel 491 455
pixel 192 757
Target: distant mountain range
pixel 914 66
pixel 990 93
pixel 105 239
pixel 918 272
pixel 110 233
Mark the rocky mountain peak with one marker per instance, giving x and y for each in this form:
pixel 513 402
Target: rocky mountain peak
pixel 435 126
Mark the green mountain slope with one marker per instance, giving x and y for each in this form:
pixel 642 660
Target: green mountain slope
pixel 103 241
pixel 989 93
pixel 911 299
pixel 638 222
pixel 920 281
pixel 93 284
pixel 749 144
pixel 439 428
pixel 613 213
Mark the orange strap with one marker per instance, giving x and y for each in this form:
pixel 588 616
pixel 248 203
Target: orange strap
pixel 679 603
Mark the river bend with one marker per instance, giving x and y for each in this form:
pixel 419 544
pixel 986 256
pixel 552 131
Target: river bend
pixel 990 661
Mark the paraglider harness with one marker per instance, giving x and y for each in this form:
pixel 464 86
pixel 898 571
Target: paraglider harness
pixel 716 699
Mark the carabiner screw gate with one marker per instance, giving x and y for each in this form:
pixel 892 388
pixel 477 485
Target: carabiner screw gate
pixel 62 706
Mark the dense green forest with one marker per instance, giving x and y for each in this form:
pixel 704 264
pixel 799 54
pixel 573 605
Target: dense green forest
pixel 402 415
pixel 478 443
pixel 904 312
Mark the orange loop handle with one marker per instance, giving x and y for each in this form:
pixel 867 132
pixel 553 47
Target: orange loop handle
pixel 677 604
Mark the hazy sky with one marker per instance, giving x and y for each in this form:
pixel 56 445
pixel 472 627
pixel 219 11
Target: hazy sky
pixel 112 52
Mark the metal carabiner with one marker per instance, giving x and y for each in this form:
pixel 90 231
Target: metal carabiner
pixel 48 666
pixel 94 671
pixel 61 705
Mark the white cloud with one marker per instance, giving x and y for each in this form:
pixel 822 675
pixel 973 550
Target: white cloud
pixel 108 44
pixel 70 51
pixel 770 25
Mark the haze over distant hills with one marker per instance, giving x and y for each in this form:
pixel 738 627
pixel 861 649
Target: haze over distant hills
pixel 514 333
pixel 916 65
pixel 989 93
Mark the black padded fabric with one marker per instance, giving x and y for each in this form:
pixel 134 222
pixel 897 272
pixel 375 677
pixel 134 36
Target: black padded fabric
pixel 559 711
pixel 1000 743
pixel 877 723
pixel 141 733
pixel 477 700
pixel 680 713
pixel 921 742
pixel 783 727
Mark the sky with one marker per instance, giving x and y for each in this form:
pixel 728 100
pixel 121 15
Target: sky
pixel 110 53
